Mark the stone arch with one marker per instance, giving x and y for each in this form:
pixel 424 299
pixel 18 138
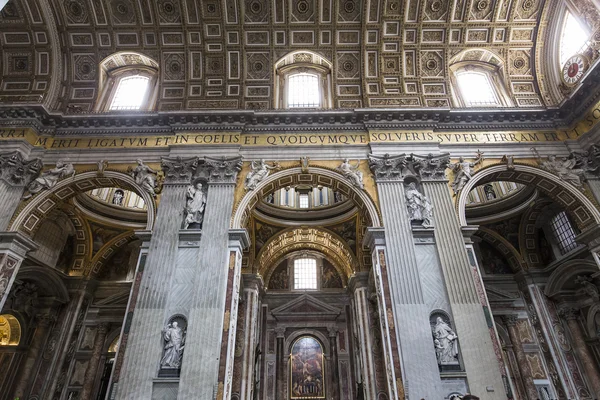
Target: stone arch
pixel 314 176
pixel 46 279
pixel 305 238
pixel 583 211
pixel 591 325
pixel 28 218
pixel 504 247
pixel 567 272
pixel 315 334
pixel 107 251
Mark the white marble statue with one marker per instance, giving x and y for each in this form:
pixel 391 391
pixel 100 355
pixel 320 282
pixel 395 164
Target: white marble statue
pixel 174 343
pixel 260 170
pixel 445 340
pixel 463 171
pixel 194 209
pixel 49 179
pixel 145 177
pixel 418 205
pixel 352 173
pixel 563 168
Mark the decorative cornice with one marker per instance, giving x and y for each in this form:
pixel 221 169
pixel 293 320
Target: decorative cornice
pixel 179 170
pixel 16 170
pixel 223 170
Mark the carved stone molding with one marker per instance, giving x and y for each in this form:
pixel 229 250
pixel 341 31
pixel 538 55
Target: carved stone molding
pixel 223 170
pixel 510 320
pixel 568 313
pixel 16 170
pixel 178 170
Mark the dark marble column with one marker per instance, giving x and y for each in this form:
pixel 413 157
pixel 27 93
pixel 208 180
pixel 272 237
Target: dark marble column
pixel 280 371
pixel 511 323
pixel 587 360
pixel 22 386
pixel 92 370
pixel 335 378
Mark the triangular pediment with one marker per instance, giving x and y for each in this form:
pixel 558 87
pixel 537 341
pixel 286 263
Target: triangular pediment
pixel 496 295
pixel 305 306
pixel 117 299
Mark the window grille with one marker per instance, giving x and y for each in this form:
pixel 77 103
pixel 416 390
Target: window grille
pixel 130 93
pixel 303 91
pixel 303 201
pixel 563 232
pixel 476 89
pixel 305 273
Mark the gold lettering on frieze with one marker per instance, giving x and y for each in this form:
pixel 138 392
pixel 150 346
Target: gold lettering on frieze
pixel 285 139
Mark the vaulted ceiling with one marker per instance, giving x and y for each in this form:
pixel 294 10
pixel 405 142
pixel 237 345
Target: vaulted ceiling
pixel 221 53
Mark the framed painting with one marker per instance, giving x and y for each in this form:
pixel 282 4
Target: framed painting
pixel 306 369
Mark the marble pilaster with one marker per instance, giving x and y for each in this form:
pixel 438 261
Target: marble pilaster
pixel 477 346
pixel 144 344
pixel 208 319
pixel 422 379
pixel 22 387
pixel 335 388
pixel 279 372
pixel 570 315
pixel 252 288
pixel 527 378
pixel 15 174
pixel 358 285
pixel 90 374
pixel 13 248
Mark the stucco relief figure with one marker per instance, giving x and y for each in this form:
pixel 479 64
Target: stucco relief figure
pixel 194 209
pixel 446 346
pixel 49 179
pixel 564 168
pixel 463 171
pixel 352 173
pixel 260 170
pixel 174 343
pixel 145 177
pixel 418 205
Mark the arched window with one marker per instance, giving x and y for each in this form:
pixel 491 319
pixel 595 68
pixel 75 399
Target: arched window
pixel 303 80
pixel 563 232
pixel 573 38
pixel 305 273
pixel 128 82
pixel 478 85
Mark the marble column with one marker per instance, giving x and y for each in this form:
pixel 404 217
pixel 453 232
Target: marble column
pixel 511 323
pixel 335 379
pixel 211 316
pixel 22 386
pixel 570 315
pixel 281 361
pixel 15 174
pixel 411 313
pixel 13 248
pixel 358 285
pixel 252 288
pixel 474 334
pixel 144 344
pixel 92 370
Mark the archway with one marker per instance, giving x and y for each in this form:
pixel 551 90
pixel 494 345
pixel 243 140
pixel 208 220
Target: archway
pixel 584 213
pixel 28 218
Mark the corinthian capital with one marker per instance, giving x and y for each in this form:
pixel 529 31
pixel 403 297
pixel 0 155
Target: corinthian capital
pixel 568 313
pixel 15 170
pixel 387 168
pixel 222 170
pixel 179 170
pixel 431 167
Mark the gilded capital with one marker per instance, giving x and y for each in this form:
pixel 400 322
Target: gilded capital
pixel 16 170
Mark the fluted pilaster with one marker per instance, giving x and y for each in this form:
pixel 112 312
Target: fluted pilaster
pixel 252 286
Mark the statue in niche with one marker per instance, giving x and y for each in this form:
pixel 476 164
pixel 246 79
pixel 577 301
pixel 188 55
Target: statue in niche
pixel 118 197
pixel 260 170
pixel 352 173
pixel 418 205
pixel 490 193
pixel 145 177
pixel 563 168
pixel 49 179
pixel 463 171
pixel 174 339
pixel 445 341
pixel 194 209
